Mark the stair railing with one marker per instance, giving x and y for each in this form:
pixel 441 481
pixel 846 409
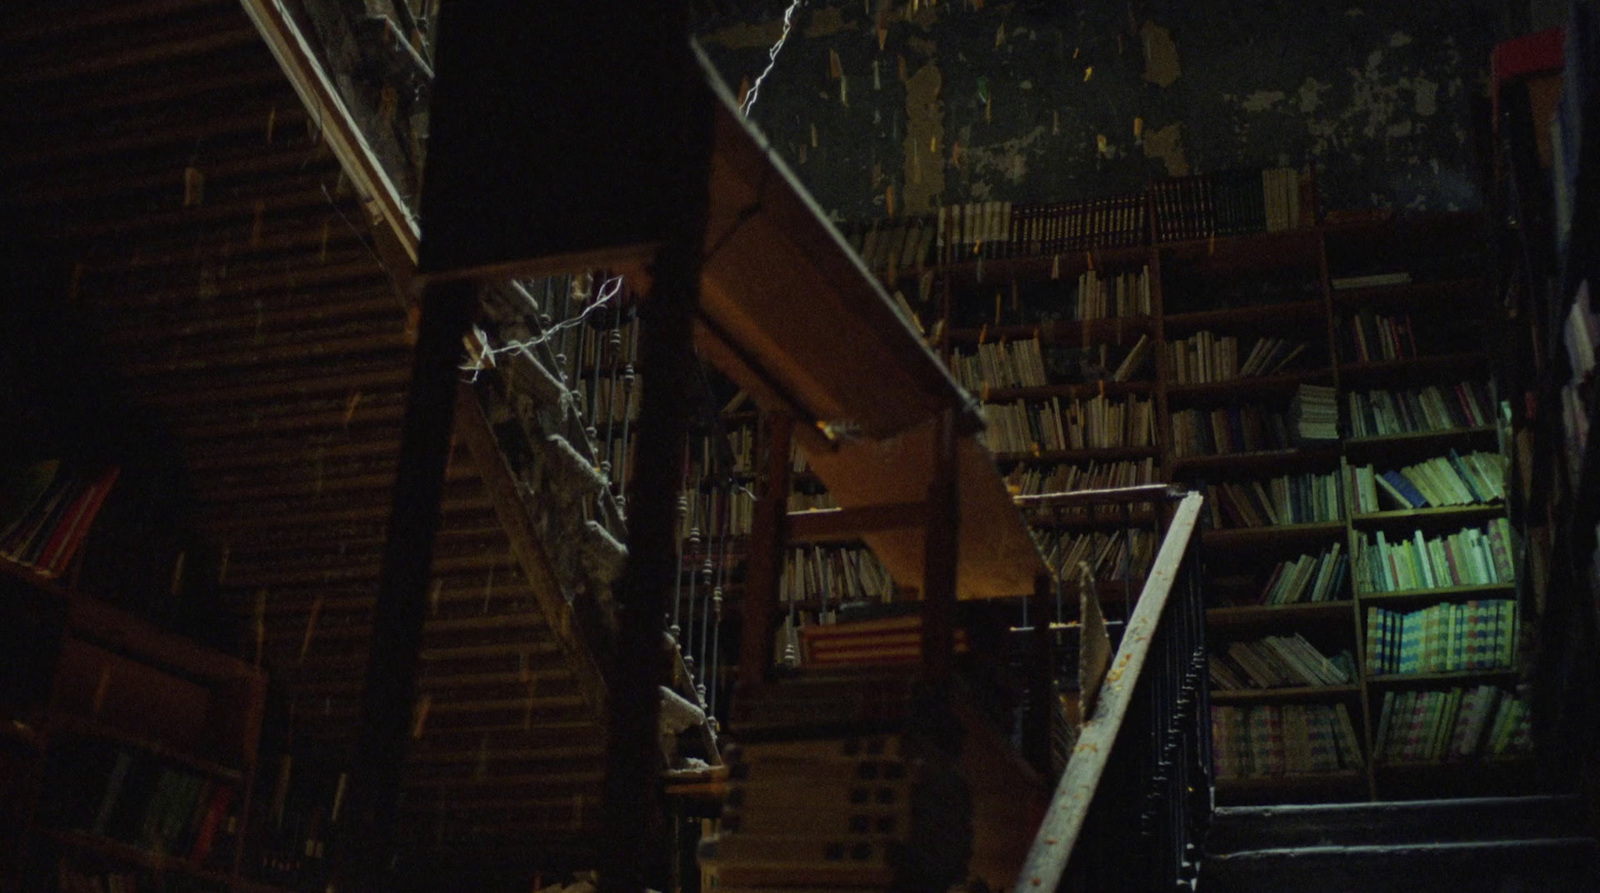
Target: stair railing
pixel 1135 795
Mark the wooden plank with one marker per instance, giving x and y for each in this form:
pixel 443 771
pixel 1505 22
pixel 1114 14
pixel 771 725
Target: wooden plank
pixel 821 525
pixel 998 556
pixel 1057 835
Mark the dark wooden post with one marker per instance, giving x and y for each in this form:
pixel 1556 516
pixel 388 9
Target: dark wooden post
pixel 1038 731
pixel 367 833
pixel 943 538
pixel 767 540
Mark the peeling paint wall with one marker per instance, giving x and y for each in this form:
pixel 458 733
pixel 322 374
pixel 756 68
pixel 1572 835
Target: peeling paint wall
pixel 880 101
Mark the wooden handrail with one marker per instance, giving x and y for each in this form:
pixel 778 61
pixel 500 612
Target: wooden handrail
pixel 1069 806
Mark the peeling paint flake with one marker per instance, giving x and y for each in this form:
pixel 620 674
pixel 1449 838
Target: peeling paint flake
pixel 1160 55
pixel 923 183
pixel 1166 144
pixel 745 36
pixel 1262 100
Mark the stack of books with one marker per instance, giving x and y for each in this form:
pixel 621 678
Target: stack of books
pixel 1443 638
pixel 1096 423
pixel 1000 364
pixel 1375 338
pixel 1122 296
pixel 1118 555
pixel 1315 413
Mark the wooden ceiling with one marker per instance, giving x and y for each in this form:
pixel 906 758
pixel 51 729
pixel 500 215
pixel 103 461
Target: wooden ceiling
pixel 239 294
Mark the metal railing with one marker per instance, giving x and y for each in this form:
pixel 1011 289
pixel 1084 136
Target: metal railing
pixel 1133 801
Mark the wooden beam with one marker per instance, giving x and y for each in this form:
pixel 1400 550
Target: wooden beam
pixel 368 829
pixel 835 524
pixel 943 536
pixel 767 539
pixel 1058 834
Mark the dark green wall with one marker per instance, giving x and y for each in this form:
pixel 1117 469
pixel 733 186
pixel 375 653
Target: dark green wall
pixel 1385 97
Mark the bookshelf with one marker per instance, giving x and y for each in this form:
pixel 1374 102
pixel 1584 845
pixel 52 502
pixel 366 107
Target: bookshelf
pixel 1280 364
pixel 128 752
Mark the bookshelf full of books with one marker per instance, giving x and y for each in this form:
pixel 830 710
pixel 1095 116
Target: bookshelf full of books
pixel 1326 386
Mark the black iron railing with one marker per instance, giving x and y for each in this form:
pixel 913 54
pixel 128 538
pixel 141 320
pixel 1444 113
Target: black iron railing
pixel 1135 796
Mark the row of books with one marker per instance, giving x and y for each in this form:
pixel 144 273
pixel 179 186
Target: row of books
pixel 1373 337
pixel 1283 739
pixel 805 501
pixel 1308 578
pixel 1291 499
pixel 1459 724
pixel 1470 557
pixel 1095 423
pixel 1383 413
pixel 1026 364
pixel 138 799
pixel 711 515
pixel 1117 555
pixel 1119 296
pixel 1443 638
pixel 893 245
pixel 1000 364
pixel 1002 229
pixel 1228 430
pixel 834 575
pixel 46 512
pixel 1031 480
pixel 1279 662
pixel 1206 357
pixel 1229 203
pixel 1474 479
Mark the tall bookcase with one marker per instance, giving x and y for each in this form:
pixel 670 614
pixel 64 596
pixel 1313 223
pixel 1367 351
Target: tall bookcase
pixel 1286 371
pixel 134 751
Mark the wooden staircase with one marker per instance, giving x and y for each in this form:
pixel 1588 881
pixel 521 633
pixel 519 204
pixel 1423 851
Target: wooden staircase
pixel 1481 845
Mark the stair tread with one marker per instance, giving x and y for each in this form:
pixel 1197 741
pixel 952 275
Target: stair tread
pixel 1440 848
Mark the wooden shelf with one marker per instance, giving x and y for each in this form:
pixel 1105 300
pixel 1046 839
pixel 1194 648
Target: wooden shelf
pixel 965 273
pixel 1080 391
pixel 1248 537
pixel 128 854
pixel 1273 315
pixel 1359 375
pixel 1289 248
pixel 1096 454
pixel 1080 517
pixel 1261 459
pixel 1297 693
pixel 1476 764
pixel 1432 680
pixel 1097 331
pixel 1300 613
pixel 66 724
pixel 1407 293
pixel 1443 513
pixel 1256 387
pixel 1443 593
pixel 1420 439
